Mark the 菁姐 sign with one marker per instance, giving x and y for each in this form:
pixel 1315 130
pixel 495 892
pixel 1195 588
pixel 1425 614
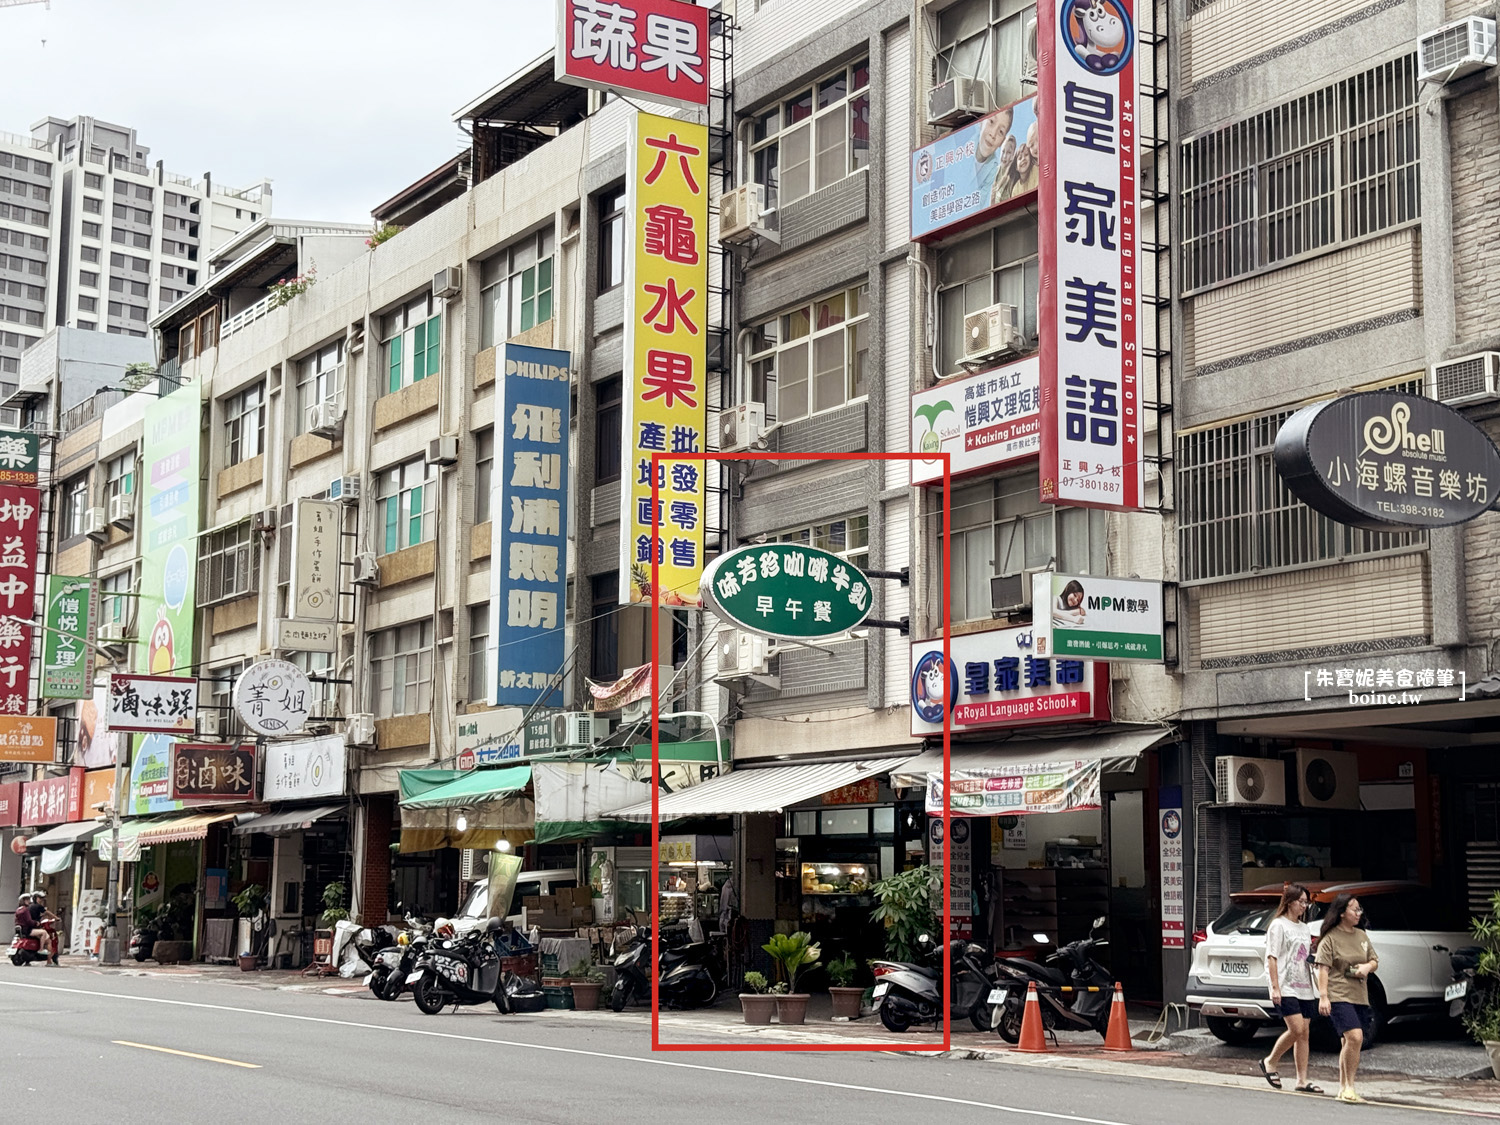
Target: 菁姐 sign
pixel 316 537
pixel 20 517
pixel 666 358
pixel 657 49
pixel 1017 789
pixel 1381 460
pixel 529 529
pixel 999 679
pixel 1094 618
pixel 28 738
pixel 306 769
pixel 20 457
pixel 788 590
pixel 980 420
pixel 975 173
pixel 67 668
pixel 273 697
pixel 152 704
pixel 203 771
pixel 1090 255
pixel 487 737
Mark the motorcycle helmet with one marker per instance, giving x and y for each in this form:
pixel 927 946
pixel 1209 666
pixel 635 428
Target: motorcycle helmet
pixel 403 939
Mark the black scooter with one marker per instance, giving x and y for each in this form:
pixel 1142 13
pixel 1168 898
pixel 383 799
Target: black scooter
pixel 909 992
pixel 691 975
pixel 394 963
pixel 1084 1007
pixel 460 970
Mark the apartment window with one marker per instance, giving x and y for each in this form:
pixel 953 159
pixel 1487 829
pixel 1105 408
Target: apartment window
pixel 604 627
pixel 91 230
pixel 88 304
pixel 611 239
pixel 143 217
pixel 117 285
pixel 408 497
pixel 228 564
pixel 140 241
pixel 122 188
pixel 814 138
pixel 75 506
pixel 119 480
pixel 93 206
pixel 992 40
pixel 221 697
pixel 245 424
pixel 479 639
pixel 608 420
pixel 143 192
pixel 849 538
pixel 1236 516
pixel 998 266
pixel 401 660
pixel 1327 168
pixel 517 289
pixel 1001 528
pixel 140 265
pixel 814 358
pixel 320 379
pixel 114 602
pixel 87 325
pixel 121 212
pixel 484 472
pixel 412 337
pixel 93 181
pixel 136 312
pixel 89 254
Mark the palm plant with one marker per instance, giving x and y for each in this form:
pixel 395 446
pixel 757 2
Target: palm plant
pixel 792 953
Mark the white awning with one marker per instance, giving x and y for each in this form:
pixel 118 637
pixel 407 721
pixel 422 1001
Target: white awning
pixel 65 834
pixel 288 820
pixel 758 790
pixel 1116 751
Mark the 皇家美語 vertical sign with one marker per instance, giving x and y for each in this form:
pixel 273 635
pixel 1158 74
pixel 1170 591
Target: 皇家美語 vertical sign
pixel 1088 214
pixel 529 527
pixel 665 408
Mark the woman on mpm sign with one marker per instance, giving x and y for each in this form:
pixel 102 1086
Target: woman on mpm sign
pixel 1345 960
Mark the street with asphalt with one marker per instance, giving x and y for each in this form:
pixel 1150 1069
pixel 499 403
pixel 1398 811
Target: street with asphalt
pixel 86 1045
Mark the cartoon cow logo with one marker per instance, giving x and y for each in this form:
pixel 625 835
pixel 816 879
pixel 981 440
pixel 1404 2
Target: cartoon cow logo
pixel 1098 34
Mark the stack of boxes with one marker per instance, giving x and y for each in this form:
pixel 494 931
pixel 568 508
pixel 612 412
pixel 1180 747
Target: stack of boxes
pixel 568 910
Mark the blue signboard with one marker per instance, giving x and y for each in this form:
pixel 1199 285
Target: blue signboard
pixel 151 776
pixel 976 172
pixel 529 510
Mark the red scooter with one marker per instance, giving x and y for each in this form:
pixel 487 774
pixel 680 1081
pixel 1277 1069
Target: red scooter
pixel 24 949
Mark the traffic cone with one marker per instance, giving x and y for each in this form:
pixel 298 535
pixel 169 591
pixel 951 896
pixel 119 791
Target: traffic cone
pixel 1118 1036
pixel 1033 1038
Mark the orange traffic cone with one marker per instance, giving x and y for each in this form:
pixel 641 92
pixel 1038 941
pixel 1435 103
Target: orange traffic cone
pixel 1033 1038
pixel 1118 1036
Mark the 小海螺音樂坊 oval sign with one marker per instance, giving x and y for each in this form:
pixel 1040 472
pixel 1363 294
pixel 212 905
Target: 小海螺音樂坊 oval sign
pixel 788 590
pixel 1381 460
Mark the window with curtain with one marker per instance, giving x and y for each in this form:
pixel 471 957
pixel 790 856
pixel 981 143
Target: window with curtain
pixel 814 138
pixel 406 504
pixel 995 266
pixel 401 664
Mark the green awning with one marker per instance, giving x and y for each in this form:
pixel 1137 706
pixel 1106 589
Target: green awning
pixel 416 782
pixel 472 788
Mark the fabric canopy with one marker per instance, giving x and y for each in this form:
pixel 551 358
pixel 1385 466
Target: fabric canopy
pixel 1116 752
pixel 470 788
pixel 65 835
pixel 130 844
pixel 416 782
pixel 56 860
pixel 485 825
pixel 181 828
pixel 758 790
pixel 572 797
pixel 288 820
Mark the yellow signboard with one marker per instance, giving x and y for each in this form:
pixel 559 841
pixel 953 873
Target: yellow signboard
pixel 666 310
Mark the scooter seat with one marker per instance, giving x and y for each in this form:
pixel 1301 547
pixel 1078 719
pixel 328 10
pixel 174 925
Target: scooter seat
pixel 1044 973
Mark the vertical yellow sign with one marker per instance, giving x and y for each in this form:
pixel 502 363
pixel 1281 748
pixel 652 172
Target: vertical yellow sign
pixel 666 355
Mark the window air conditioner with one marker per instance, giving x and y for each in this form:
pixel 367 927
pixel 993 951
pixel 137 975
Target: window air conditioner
pixel 1470 378
pixel 572 730
pixel 1010 594
pixel 956 100
pixel 442 451
pixel 209 724
pixel 1328 779
pixel 95 526
pixel 742 654
pixel 447 282
pixel 1456 49
pixel 326 418
pixel 345 489
pixel 113 633
pixel 741 213
pixel 360 729
pixel 1250 781
pixel 741 425
pixel 366 570
pixel 122 510
pixel 991 332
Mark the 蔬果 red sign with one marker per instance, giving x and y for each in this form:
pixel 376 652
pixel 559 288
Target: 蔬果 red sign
pixel 657 49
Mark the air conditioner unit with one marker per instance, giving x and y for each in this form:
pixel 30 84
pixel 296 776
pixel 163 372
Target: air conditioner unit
pixel 210 724
pixel 1470 378
pixel 366 570
pixel 1028 52
pixel 360 729
pixel 264 521
pixel 991 332
pixel 95 526
pixel 956 100
pixel 741 425
pixel 326 419
pixel 1328 779
pixel 743 654
pixel 448 282
pixel 1456 49
pixel 442 451
pixel 637 712
pixel 572 730
pixel 741 213
pixel 122 510
pixel 1011 593
pixel 1250 781
pixel 113 633
pixel 345 489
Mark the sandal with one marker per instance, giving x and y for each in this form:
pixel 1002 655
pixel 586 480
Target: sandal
pixel 1270 1075
pixel 1310 1088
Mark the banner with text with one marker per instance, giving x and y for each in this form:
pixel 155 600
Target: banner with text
pixel 20 517
pixel 980 420
pixel 315 560
pixel 167 531
pixel 1015 790
pixel 67 667
pixel 20 457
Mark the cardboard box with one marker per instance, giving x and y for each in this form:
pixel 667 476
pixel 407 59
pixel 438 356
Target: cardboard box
pixel 579 896
pixel 582 916
pixel 532 903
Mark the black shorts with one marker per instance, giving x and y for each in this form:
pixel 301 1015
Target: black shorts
pixel 1295 1006
pixel 1349 1017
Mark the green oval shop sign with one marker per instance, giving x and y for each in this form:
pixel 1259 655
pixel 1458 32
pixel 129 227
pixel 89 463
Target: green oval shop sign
pixel 788 590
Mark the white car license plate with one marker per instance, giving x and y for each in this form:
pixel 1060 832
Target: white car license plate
pixel 881 990
pixel 1456 991
pixel 1235 968
pixel 998 995
pixel 412 978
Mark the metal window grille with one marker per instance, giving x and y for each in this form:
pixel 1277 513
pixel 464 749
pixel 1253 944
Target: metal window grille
pixel 1237 517
pixel 1318 171
pixel 230 565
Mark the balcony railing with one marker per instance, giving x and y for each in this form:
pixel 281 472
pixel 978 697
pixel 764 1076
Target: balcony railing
pixel 244 319
pixel 90 408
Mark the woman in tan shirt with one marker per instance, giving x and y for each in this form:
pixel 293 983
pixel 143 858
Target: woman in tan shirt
pixel 1345 960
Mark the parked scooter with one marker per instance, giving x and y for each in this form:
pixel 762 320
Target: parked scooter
pixel 909 992
pixel 691 974
pixel 24 949
pixel 394 963
pixel 142 943
pixel 1470 994
pixel 1084 1008
pixel 460 969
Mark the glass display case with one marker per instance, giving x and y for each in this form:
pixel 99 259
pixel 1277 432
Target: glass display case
pixel 693 869
pixel 838 878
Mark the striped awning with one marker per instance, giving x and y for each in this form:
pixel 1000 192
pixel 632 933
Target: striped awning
pixel 182 828
pixel 757 790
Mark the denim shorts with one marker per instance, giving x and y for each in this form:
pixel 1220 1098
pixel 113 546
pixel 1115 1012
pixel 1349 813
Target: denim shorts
pixel 1295 1006
pixel 1349 1017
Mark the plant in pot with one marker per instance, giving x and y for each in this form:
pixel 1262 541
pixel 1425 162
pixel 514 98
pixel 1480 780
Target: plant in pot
pixel 249 902
pixel 842 990
pixel 586 982
pixel 174 926
pixel 1481 1016
pixel 905 907
pixel 792 953
pixel 334 896
pixel 757 1001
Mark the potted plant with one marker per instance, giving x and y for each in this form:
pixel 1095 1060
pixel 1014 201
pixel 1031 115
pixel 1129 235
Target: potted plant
pixel 249 902
pixel 1482 1012
pixel 757 1002
pixel 905 907
pixel 586 982
pixel 842 990
pixel 333 904
pixel 792 953
pixel 174 925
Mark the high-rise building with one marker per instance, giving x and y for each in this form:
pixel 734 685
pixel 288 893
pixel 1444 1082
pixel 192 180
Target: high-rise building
pixel 95 238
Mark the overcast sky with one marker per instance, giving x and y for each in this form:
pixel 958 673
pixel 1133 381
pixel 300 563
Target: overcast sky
pixel 341 103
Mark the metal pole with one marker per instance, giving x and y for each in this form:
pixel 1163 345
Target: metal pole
pixel 110 953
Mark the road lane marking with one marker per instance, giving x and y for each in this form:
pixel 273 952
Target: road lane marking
pixel 185 1054
pixel 910 1095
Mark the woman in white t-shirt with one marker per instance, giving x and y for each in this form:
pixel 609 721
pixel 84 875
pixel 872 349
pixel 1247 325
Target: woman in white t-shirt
pixel 1288 948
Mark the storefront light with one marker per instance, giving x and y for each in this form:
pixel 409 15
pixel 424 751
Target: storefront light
pixel 462 823
pixel 502 846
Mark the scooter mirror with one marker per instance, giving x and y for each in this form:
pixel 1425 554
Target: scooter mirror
pixel 1099 922
pixel 1041 939
pixel 924 938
